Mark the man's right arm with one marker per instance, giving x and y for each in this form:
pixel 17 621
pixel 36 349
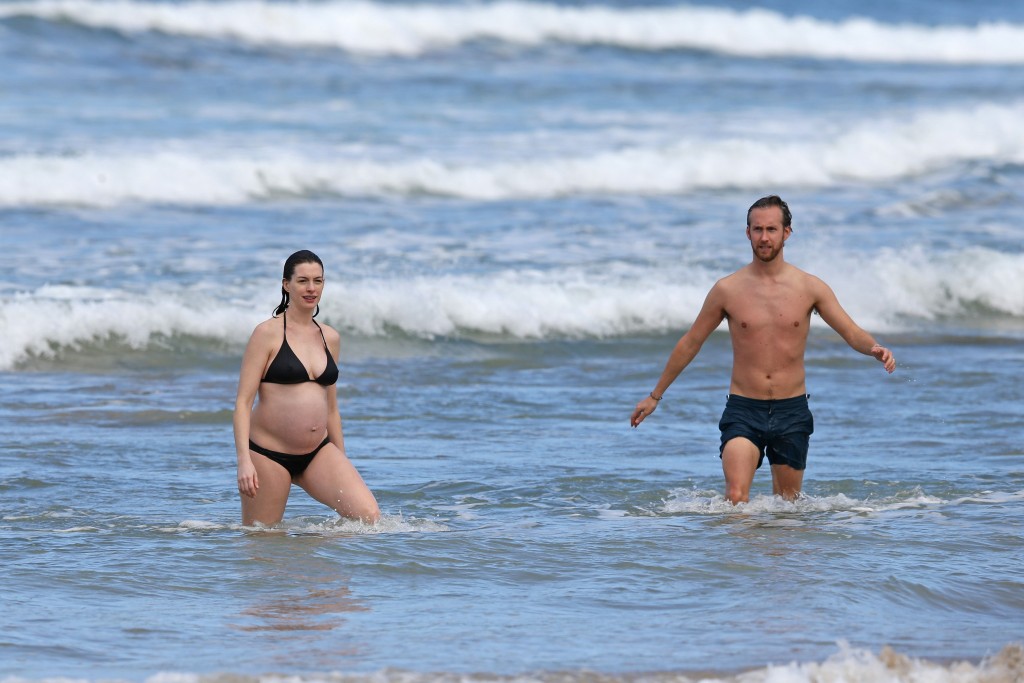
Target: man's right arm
pixel 710 317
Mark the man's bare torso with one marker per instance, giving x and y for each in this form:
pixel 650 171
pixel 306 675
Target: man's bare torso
pixel 769 318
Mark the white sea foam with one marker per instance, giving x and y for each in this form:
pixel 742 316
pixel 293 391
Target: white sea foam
pixel 518 305
pixel 885 291
pixel 320 526
pixel 874 151
pixel 412 29
pixel 335 526
pixel 199 525
pixel 707 502
pixel 54 320
pixel 914 287
pixel 885 287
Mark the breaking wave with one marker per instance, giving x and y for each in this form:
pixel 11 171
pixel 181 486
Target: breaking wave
pixel 875 151
pixel 410 29
pixel 916 286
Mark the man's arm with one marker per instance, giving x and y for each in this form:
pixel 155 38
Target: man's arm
pixel 838 319
pixel 710 317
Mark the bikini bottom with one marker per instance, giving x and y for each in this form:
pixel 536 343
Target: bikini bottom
pixel 295 464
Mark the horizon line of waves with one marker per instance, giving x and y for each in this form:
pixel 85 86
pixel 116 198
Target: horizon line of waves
pixel 880 150
pixel 409 30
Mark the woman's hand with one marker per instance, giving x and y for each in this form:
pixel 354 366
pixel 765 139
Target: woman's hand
pixel 248 483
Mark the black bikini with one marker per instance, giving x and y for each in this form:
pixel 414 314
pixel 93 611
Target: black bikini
pixel 286 368
pixel 295 464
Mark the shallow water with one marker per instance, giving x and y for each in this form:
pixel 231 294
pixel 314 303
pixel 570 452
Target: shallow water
pixel 527 528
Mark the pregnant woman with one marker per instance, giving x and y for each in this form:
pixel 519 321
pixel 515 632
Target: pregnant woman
pixel 293 434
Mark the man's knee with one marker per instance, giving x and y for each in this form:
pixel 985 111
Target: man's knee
pixel 740 459
pixel 787 481
pixel 736 493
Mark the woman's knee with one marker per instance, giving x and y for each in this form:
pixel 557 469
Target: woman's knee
pixel 354 501
pixel 267 515
pixel 370 514
pixel 365 509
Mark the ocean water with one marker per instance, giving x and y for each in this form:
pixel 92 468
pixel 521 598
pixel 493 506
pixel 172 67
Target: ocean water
pixel 520 206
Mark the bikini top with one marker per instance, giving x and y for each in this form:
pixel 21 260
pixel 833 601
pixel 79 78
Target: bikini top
pixel 286 368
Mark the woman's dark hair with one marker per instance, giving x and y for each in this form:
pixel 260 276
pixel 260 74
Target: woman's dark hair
pixel 301 256
pixel 770 201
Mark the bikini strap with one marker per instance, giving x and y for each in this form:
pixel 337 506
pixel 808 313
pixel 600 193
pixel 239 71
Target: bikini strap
pixel 321 333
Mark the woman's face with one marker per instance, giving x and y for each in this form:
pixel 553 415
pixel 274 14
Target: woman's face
pixel 305 286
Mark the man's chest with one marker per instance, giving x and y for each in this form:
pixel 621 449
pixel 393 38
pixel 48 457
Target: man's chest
pixel 786 311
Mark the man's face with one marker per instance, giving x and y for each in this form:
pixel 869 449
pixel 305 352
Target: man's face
pixel 766 234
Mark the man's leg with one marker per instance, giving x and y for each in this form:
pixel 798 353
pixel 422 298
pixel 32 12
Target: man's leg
pixel 787 449
pixel 786 481
pixel 739 462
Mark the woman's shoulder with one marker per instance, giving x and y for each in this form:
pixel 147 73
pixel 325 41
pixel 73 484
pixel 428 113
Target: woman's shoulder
pixel 267 328
pixel 331 335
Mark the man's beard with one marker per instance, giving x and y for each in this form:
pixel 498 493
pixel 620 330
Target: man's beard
pixel 768 257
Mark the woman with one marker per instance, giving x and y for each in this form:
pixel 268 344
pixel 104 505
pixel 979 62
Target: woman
pixel 293 435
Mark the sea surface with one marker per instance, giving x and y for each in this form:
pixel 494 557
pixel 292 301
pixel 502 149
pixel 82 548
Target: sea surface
pixel 520 206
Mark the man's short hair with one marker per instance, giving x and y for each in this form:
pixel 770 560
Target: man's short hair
pixel 768 202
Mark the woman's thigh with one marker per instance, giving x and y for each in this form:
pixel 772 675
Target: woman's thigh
pixel 334 481
pixel 267 506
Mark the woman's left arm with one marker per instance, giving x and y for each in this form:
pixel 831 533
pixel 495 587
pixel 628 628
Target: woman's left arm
pixel 334 431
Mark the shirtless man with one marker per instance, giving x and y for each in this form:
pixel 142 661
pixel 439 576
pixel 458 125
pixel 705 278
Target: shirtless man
pixel 768 304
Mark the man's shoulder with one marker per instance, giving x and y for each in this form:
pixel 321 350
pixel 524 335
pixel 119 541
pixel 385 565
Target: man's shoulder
pixel 809 285
pixel 739 279
pixel 804 278
pixel 726 285
pixel 733 278
pixel 731 290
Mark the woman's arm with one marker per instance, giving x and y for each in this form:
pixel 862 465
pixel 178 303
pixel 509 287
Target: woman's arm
pixel 254 360
pixel 334 431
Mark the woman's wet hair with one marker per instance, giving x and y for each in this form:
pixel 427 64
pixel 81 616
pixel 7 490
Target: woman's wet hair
pixel 768 202
pixel 296 259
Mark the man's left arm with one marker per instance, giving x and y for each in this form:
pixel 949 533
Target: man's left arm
pixel 828 307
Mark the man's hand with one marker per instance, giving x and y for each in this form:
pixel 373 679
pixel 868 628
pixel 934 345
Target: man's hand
pixel 643 409
pixel 884 356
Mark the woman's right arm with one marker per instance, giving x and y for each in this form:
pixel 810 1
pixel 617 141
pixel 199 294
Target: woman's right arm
pixel 253 362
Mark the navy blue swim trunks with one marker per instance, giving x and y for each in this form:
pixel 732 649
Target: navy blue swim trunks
pixel 780 429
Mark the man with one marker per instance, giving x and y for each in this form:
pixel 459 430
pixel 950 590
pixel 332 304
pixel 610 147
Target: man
pixel 768 304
